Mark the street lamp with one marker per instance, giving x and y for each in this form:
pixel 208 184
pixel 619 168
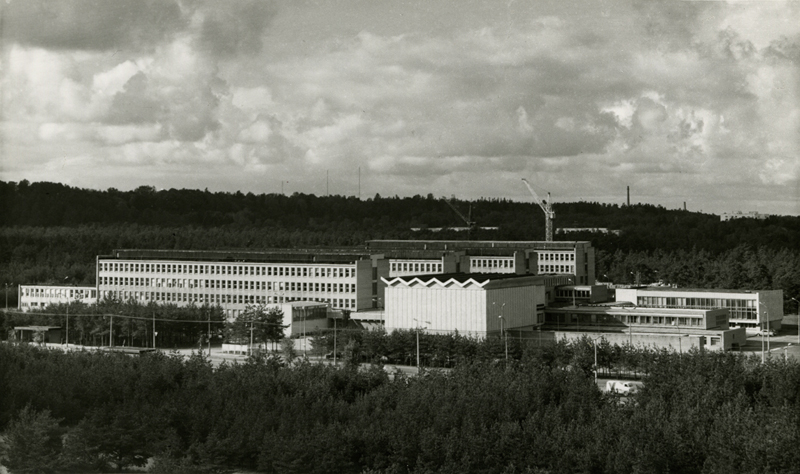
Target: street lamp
pixel 594 340
pixel 766 313
pixel 502 331
pixel 418 328
pixel 798 319
pixel 7 285
pixel 680 344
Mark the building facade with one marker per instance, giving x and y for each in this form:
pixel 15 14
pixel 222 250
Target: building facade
pixel 511 257
pixel 39 296
pixel 234 280
pixel 654 327
pixel 746 308
pixel 472 304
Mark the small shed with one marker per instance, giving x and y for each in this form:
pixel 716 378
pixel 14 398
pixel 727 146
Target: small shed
pixel 38 334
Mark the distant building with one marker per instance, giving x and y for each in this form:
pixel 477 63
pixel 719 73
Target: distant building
pixel 596 230
pixel 343 279
pixel 40 296
pixel 406 257
pixel 679 329
pixel 742 215
pixel 747 308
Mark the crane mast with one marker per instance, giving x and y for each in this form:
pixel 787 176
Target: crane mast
pixel 467 219
pixel 547 208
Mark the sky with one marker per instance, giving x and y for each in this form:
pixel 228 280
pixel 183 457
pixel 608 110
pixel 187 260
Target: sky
pixel 682 101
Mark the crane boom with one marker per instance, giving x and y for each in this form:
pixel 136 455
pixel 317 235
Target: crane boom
pixel 547 208
pixel 467 220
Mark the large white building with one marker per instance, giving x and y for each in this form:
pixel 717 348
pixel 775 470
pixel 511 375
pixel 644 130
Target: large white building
pixel 40 296
pixel 746 308
pixel 233 280
pixel 474 304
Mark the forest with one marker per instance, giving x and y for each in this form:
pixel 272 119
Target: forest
pixel 52 233
pixel 539 412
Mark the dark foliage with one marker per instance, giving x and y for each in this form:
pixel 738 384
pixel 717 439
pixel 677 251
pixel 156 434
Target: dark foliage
pixel 540 412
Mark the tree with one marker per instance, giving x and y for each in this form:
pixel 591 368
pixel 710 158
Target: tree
pixel 33 442
pixel 265 324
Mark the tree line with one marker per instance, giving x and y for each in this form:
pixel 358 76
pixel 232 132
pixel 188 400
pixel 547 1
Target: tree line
pixel 540 412
pixel 51 233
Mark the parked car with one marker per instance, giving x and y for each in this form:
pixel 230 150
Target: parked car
pixel 766 332
pixel 623 387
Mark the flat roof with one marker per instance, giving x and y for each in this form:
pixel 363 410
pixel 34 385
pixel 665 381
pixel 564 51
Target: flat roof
pixel 475 244
pixel 698 290
pixel 627 309
pixel 299 255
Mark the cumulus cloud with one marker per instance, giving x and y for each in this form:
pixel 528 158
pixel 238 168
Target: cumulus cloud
pixel 583 98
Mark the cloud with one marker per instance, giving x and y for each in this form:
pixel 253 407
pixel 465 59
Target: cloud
pixel 87 25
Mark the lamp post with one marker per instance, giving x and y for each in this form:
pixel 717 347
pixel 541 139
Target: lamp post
pixel 766 313
pixel 502 331
pixel 594 340
pixel 680 343
pixel 334 341
pixel 67 338
pixel 418 328
pixel 798 319
pixel 7 285
pixel 251 334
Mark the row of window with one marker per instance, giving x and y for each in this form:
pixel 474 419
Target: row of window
pixel 561 293
pixel 556 269
pixel 231 269
pixel 484 263
pixel 420 267
pixel 556 257
pixel 220 299
pixel 606 319
pixel 315 287
pixel 738 308
pixel 64 293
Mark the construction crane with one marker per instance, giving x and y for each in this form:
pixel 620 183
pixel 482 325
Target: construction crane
pixel 467 219
pixel 547 207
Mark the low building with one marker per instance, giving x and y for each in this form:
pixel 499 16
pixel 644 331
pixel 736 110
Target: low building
pixel 747 308
pixel 38 334
pixel 476 304
pixel 679 329
pixel 40 296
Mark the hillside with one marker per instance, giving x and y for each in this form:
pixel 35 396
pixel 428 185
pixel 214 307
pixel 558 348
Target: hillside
pixel 52 232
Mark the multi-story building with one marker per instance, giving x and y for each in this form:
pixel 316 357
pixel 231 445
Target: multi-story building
pixel 344 279
pixel 747 308
pixel 468 256
pixel 39 296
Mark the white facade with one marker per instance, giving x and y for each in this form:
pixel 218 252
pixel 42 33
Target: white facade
pixel 470 304
pixel 404 267
pixel 234 285
pixel 756 308
pixel 492 265
pixel 39 296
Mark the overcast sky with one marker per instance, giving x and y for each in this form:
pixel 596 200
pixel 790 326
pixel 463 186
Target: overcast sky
pixel 681 101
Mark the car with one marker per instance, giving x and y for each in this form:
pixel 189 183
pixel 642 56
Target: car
pixel 766 332
pixel 623 387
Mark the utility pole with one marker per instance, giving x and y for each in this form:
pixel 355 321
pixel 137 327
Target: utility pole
pixel 67 338
pixel 154 329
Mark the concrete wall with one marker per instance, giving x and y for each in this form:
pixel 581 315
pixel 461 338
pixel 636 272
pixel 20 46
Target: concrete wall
pixel 678 343
pixel 437 308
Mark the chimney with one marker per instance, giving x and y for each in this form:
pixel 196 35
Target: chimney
pixel 629 195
